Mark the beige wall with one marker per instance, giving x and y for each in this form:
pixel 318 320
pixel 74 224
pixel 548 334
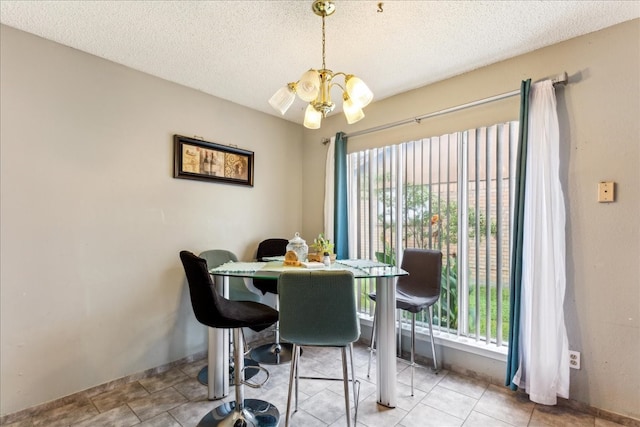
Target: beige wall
pixel 599 113
pixel 92 219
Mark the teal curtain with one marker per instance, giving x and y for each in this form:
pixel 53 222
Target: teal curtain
pixel 513 359
pixel 340 215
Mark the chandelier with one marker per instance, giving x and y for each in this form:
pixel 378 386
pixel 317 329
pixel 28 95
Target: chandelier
pixel 315 87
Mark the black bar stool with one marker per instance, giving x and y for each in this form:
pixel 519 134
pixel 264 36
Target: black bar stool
pixel 417 291
pixel 213 310
pixel 238 291
pixel 276 352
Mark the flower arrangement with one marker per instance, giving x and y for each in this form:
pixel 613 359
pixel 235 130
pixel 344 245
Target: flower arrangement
pixel 321 244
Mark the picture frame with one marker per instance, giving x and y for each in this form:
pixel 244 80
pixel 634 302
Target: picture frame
pixel 207 161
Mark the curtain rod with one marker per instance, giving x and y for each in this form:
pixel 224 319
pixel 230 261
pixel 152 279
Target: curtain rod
pixel 561 79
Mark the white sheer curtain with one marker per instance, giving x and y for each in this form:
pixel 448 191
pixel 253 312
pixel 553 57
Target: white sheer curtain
pixel 329 188
pixel 544 348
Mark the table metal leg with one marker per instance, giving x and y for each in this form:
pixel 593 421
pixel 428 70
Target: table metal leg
pixel 218 357
pixel 385 339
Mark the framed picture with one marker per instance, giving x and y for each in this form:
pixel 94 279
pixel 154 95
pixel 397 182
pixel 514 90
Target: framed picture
pixel 207 161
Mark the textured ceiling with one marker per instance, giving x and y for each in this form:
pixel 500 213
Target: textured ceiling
pixel 243 51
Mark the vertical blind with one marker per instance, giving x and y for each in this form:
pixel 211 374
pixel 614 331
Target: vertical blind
pixel 453 193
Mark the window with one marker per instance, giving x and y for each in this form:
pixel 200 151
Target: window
pixel 453 193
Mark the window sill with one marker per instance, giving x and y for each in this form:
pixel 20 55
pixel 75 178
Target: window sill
pixel 443 339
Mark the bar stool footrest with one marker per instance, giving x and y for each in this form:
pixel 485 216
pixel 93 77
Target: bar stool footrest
pixel 252 384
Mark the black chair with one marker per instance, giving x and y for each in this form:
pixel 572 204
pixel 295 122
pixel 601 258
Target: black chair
pixel 238 291
pixel 269 248
pixel 213 310
pixel 276 352
pixel 415 292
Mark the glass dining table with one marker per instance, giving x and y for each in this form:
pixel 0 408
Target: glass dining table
pixel 385 280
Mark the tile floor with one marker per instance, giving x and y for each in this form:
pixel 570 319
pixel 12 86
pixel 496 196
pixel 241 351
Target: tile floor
pixel 176 399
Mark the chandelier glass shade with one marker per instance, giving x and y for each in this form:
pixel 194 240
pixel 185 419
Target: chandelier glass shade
pixel 315 87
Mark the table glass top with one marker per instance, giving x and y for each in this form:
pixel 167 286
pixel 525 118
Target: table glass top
pixel 361 268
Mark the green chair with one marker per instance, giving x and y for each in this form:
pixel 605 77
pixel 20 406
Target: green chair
pixel 238 290
pixel 318 308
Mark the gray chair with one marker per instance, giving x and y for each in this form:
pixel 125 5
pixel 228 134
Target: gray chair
pixel 319 309
pixel 213 310
pixel 238 291
pixel 415 292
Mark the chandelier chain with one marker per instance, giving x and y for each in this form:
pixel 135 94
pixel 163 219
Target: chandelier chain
pixel 323 43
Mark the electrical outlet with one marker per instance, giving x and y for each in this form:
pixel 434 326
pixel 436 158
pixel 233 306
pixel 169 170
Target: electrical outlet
pixel 574 359
pixel 606 192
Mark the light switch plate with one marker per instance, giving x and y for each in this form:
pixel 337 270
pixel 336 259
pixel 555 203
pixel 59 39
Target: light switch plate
pixel 606 192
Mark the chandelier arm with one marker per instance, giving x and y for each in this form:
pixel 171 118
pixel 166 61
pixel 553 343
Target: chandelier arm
pixel 337 84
